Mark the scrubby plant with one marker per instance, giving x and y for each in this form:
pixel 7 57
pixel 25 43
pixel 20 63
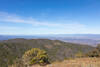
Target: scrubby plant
pixel 79 54
pixel 94 53
pixel 35 56
pixel 98 47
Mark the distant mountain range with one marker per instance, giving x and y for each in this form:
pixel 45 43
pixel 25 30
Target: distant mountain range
pixel 90 39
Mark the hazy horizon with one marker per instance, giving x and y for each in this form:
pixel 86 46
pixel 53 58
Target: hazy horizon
pixel 46 34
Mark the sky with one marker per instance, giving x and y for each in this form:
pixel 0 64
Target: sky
pixel 30 17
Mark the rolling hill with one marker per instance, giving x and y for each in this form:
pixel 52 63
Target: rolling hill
pixel 57 50
pixel 90 39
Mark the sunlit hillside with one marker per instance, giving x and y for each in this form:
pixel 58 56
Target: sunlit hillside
pixel 79 62
pixel 15 48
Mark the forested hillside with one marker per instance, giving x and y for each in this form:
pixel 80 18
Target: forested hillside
pixel 57 50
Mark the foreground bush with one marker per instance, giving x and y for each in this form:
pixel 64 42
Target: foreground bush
pixel 35 56
pixel 94 53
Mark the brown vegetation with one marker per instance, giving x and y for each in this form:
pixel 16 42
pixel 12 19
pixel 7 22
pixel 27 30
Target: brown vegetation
pixel 78 62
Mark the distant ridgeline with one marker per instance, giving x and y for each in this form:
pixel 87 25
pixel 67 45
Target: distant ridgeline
pixel 90 39
pixel 57 50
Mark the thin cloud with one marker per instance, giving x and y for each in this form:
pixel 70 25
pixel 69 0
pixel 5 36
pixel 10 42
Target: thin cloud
pixel 53 26
pixel 5 17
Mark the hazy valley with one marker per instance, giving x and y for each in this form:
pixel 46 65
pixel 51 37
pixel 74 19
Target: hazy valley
pixel 88 39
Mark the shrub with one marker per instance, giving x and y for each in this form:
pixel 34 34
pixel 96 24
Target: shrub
pixel 35 56
pixel 79 55
pixel 98 47
pixel 94 53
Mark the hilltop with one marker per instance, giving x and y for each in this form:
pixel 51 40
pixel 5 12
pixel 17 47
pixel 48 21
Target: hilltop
pixel 57 50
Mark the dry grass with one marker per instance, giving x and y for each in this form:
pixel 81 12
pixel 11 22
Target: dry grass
pixel 79 62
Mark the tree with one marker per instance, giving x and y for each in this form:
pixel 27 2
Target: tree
pixel 35 56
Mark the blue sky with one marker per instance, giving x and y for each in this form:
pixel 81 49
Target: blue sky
pixel 29 17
